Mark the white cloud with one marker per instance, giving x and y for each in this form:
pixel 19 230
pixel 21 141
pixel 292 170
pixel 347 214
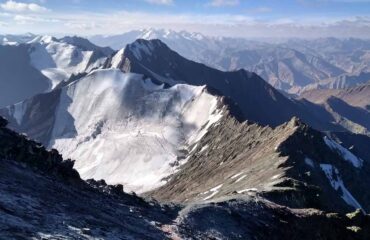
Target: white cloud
pixel 233 25
pixel 26 19
pixel 220 3
pixel 160 2
pixel 82 26
pixel 260 10
pixel 13 6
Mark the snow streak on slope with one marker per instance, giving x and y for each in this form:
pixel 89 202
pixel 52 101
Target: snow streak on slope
pixel 336 182
pixel 58 60
pixel 347 155
pixel 128 130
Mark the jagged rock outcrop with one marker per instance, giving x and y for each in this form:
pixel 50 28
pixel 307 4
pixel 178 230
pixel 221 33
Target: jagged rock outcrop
pixel 22 150
pixel 285 164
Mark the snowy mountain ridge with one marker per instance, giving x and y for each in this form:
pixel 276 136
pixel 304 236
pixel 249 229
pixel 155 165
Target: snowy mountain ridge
pixel 37 64
pixel 9 39
pixel 107 118
pixel 59 59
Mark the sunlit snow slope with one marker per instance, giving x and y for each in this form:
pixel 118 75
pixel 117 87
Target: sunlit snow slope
pixel 126 129
pixel 58 60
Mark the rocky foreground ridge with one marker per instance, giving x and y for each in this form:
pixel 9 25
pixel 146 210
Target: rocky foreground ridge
pixel 43 197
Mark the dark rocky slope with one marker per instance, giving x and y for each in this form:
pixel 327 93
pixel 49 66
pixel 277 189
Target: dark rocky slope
pixel 42 197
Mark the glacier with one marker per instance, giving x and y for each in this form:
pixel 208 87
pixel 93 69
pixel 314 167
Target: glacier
pixel 107 118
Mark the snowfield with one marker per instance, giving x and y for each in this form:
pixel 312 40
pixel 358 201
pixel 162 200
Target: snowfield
pixel 126 129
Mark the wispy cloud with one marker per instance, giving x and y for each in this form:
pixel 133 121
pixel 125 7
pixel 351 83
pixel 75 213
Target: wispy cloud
pixel 243 24
pixel 260 10
pixel 221 3
pixel 160 2
pixel 29 20
pixel 13 6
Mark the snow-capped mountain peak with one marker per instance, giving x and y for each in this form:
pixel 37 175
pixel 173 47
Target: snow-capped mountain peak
pixel 107 118
pixel 58 59
pixel 141 48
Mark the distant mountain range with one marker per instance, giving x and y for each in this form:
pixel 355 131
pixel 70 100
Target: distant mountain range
pixel 290 65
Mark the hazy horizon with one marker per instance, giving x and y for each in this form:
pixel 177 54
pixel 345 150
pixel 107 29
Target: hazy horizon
pixel 230 18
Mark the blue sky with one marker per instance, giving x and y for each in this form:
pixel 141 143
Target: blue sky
pixel 253 18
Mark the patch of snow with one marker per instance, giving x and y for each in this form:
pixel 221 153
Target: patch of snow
pixel 276 176
pixel 213 191
pixel 216 188
pixel 203 148
pixel 248 190
pixel 214 115
pixel 236 175
pixel 55 75
pixel 336 182
pixel 277 147
pixel 17 111
pixel 241 178
pixel 346 154
pixel 309 162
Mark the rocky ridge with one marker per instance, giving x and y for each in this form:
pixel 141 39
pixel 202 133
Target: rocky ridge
pixel 45 199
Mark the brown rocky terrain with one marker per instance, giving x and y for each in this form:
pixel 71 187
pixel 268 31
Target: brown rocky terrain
pixel 282 164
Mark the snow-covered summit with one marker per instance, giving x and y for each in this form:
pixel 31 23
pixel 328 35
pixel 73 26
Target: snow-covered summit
pixel 36 64
pixel 151 33
pixel 141 48
pixel 178 40
pixel 58 59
